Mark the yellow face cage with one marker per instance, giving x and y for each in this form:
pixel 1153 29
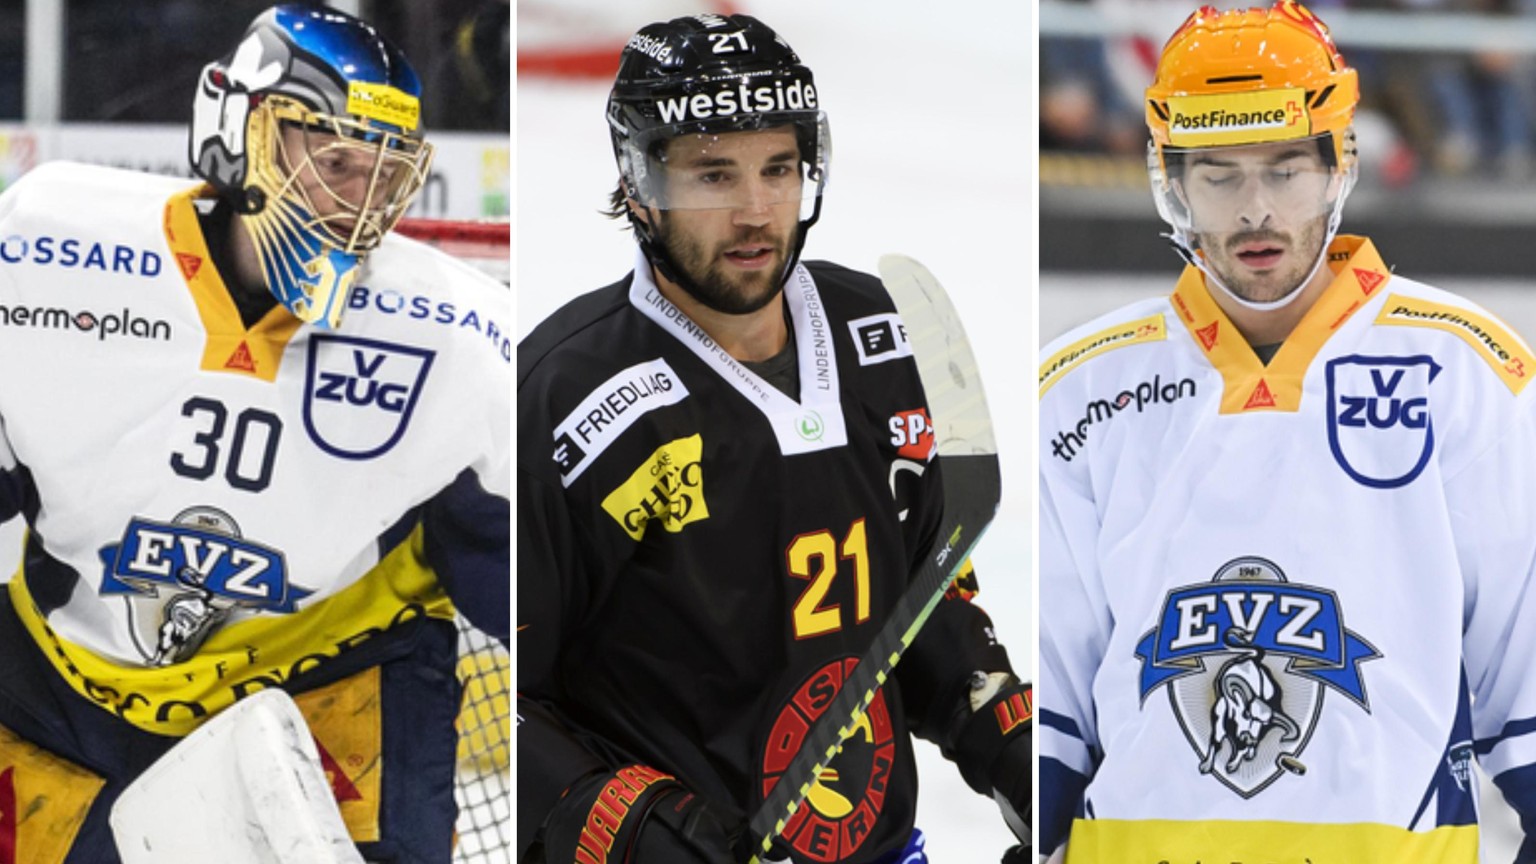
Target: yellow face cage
pixel 349 180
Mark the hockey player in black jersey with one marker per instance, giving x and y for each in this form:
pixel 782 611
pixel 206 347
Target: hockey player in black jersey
pixel 725 477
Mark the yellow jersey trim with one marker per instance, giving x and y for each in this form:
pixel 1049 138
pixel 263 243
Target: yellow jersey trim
pixel 1147 841
pixel 246 656
pixel 1499 347
pixel 228 346
pixel 1248 384
pixel 1152 328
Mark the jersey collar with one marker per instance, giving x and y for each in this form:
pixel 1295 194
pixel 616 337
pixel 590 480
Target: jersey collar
pixel 228 345
pixel 812 424
pixel 1250 385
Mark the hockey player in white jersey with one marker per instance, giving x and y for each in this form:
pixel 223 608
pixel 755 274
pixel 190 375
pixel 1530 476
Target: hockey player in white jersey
pixel 258 442
pixel 1286 511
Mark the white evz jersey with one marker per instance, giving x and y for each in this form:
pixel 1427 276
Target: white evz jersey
pixel 214 507
pixel 1285 606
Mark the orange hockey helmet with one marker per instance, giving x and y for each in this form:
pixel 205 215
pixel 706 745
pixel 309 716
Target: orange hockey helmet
pixel 1246 78
pixel 1252 76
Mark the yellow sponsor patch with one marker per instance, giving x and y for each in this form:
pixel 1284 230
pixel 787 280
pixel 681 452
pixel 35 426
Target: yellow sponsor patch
pixel 43 801
pixel 1223 119
pixel 1496 344
pixel 668 487
pixel 1120 840
pixel 347 725
pixel 383 103
pixel 1149 329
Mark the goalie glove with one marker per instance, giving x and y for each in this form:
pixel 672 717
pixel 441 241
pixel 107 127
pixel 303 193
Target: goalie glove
pixel 990 739
pixel 636 815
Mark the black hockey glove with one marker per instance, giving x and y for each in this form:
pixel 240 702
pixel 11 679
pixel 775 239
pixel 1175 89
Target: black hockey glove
pixel 636 815
pixel 1018 855
pixel 990 740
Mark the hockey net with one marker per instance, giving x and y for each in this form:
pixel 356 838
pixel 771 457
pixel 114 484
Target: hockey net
pixel 581 39
pixel 483 786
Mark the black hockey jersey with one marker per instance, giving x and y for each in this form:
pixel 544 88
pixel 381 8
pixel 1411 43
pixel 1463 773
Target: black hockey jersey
pixel 702 558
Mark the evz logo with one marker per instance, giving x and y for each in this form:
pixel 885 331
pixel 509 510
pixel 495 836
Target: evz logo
pixel 205 569
pixel 1379 424
pixel 360 394
pixel 1275 648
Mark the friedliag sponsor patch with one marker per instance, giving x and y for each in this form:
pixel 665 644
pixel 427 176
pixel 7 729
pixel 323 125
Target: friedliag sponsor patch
pixel 606 412
pixel 668 487
pixel 1214 120
pixel 1496 344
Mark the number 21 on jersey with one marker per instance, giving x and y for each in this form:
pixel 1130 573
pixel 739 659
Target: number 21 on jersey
pixel 817 558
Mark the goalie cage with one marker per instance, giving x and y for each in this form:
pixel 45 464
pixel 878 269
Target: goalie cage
pixel 483 788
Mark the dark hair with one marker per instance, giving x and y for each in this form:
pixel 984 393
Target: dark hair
pixel 618 202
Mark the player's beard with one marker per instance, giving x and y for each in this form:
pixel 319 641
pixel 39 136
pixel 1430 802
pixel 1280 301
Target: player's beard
pixel 706 277
pixel 1302 250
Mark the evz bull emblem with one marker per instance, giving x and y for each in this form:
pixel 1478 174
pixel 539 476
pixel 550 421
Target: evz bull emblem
pixel 1246 659
pixel 1248 705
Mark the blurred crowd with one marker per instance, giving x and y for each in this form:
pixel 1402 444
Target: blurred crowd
pixel 138 62
pixel 1446 114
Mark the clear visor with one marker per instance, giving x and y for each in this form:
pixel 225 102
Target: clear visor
pixel 754 169
pixel 1213 192
pixel 353 180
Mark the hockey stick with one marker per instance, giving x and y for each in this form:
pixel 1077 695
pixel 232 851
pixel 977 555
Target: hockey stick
pixel 972 489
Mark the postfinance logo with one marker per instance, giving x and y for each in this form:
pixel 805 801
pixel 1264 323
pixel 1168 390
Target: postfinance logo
pixel 667 487
pixel 1215 120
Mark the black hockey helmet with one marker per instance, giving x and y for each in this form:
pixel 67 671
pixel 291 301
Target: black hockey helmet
pixel 705 76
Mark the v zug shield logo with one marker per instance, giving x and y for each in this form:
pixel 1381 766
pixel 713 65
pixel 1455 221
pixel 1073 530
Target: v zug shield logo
pixel 360 393
pixel 1379 424
pixel 1247 658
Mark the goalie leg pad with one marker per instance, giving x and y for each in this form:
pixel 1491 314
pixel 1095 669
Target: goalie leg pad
pixel 344 720
pixel 418 703
pixel 44 801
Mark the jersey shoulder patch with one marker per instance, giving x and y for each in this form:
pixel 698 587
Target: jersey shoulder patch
pixel 1489 338
pixel 1101 340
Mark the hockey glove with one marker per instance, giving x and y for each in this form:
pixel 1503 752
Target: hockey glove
pixel 635 815
pixel 990 740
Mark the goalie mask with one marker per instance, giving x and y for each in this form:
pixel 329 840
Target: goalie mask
pixel 1252 152
pixel 683 87
pixel 311 129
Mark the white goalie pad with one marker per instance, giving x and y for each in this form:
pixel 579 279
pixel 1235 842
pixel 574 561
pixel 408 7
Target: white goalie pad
pixel 246 788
